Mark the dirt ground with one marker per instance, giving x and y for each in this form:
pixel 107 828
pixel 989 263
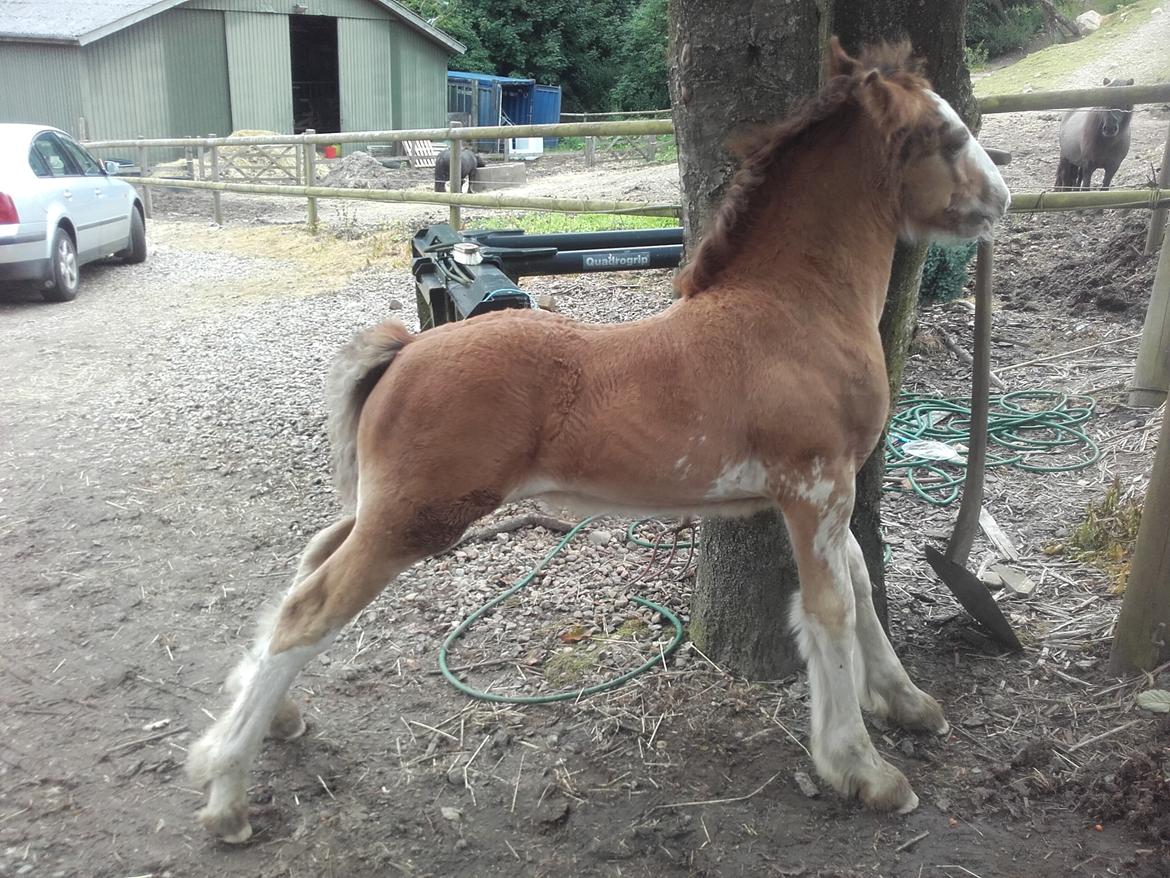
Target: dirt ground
pixel 162 463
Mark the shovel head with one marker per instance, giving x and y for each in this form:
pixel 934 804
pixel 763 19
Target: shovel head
pixel 974 597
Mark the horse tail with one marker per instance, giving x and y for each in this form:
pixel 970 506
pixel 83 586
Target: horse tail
pixel 358 367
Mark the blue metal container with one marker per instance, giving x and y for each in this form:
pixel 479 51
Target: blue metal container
pixel 546 109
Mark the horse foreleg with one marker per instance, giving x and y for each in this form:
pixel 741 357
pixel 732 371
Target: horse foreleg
pixel 1110 170
pixel 824 617
pixel 884 687
pixel 349 567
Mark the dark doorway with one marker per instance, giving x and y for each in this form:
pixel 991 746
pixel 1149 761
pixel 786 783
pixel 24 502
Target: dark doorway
pixel 315 81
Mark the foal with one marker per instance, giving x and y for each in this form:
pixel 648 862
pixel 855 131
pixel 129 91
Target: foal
pixel 432 431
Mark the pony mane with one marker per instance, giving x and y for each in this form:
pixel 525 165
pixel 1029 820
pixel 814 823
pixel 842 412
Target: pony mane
pixel 763 149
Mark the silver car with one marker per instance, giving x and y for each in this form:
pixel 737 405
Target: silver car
pixel 59 209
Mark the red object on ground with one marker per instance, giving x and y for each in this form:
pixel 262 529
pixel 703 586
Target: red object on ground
pixel 331 152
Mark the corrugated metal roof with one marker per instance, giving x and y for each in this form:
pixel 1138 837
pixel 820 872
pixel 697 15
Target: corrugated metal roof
pixel 481 77
pixel 83 21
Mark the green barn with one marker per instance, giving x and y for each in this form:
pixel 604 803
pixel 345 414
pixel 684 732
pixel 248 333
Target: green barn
pixel 113 69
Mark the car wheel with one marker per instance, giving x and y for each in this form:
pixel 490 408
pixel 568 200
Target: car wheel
pixel 66 272
pixel 136 252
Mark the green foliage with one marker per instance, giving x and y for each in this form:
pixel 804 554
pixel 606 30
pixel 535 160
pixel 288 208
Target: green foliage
pixel 641 81
pixel 571 43
pixel 995 27
pixel 944 273
pixel 542 223
pixel 1107 535
pixel 998 26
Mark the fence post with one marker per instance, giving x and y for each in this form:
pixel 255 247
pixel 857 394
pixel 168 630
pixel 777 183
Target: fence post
pixel 189 160
pixel 590 151
pixel 309 150
pixel 455 177
pixel 144 171
pixel 1151 375
pixel 216 198
pixel 1158 220
pixel 1140 638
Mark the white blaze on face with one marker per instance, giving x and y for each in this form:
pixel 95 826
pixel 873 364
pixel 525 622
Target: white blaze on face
pixel 991 199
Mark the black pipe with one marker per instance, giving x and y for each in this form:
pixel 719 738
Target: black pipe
pixel 579 261
pixel 578 240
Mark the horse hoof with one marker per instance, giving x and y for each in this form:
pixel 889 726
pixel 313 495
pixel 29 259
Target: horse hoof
pixel 231 826
pixel 910 805
pixel 916 711
pixel 288 723
pixel 886 789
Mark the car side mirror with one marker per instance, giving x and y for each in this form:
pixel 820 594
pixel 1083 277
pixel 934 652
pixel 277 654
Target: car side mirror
pixel 112 168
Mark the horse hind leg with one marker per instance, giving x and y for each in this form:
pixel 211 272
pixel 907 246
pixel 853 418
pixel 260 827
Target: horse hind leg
pixel 347 577
pixel 883 686
pixel 825 617
pixel 287 723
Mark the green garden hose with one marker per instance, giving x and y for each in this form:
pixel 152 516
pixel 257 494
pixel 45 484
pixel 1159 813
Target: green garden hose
pixel 1051 424
pixel 444 667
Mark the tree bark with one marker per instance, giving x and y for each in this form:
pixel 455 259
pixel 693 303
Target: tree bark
pixel 732 64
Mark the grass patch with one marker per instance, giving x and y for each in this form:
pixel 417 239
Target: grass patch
pixel 1107 535
pixel 544 223
pixel 1048 68
pixel 570 667
pixel 289 259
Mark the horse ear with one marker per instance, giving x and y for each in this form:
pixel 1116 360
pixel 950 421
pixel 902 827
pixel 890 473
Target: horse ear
pixel 837 60
pixel 875 94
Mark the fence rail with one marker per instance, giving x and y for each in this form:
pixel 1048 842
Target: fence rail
pixel 490 132
pixel 499 201
pixel 1072 99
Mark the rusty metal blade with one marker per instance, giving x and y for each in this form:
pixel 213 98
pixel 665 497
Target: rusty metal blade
pixel 972 593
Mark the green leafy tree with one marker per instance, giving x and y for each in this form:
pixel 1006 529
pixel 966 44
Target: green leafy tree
pixel 572 43
pixel 642 79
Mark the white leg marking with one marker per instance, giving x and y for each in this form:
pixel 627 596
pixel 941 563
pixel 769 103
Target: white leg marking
pixel 883 686
pixel 221 759
pixel 841 747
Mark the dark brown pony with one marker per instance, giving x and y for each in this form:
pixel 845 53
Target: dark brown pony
pixel 432 431
pixel 1092 139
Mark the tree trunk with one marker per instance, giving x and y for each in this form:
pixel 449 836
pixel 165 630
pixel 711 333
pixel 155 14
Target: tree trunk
pixel 732 64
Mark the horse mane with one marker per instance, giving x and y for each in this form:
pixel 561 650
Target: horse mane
pixel 763 149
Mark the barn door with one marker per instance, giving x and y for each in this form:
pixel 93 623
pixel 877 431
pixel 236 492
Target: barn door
pixel 259 71
pixel 363 49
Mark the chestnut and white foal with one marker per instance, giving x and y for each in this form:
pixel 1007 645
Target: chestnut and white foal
pixel 777 395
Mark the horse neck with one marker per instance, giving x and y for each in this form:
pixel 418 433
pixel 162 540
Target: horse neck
pixel 826 230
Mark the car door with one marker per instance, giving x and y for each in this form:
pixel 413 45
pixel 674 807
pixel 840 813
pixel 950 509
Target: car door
pixel 110 211
pixel 67 192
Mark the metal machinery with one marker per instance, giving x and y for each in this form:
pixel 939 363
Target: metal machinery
pixel 457 276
